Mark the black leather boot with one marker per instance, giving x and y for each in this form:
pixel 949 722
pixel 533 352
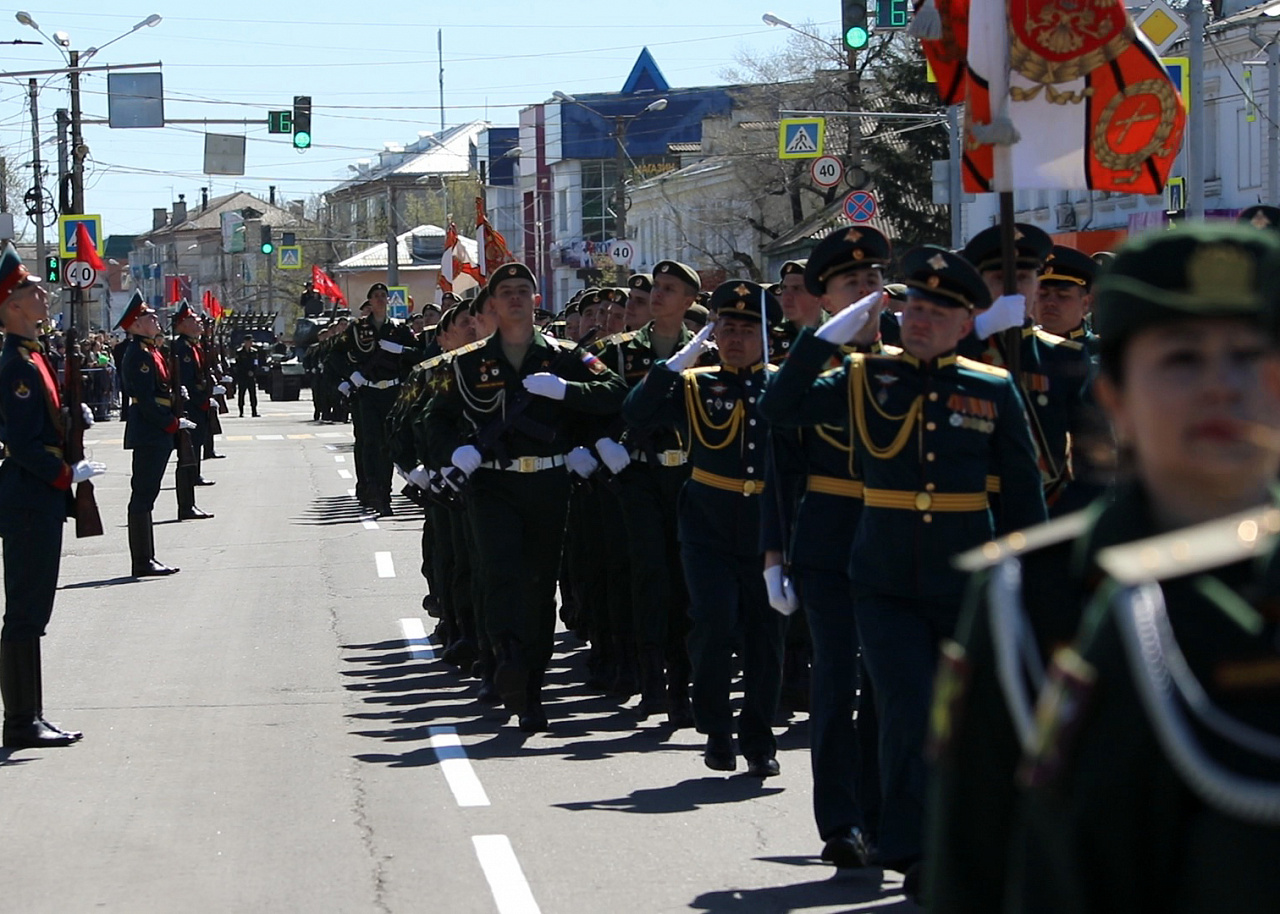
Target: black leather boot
pixel 20 688
pixel 511 675
pixel 142 548
pixel 534 719
pixel 39 664
pixel 186 488
pixel 680 712
pixel 653 684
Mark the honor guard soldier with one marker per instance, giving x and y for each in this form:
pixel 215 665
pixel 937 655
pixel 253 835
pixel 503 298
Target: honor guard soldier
pixel 248 364
pixel 1066 295
pixel 375 353
pixel 504 417
pixel 652 467
pixel 929 428
pixel 719 520
pixel 149 430
pixel 807 536
pixel 197 399
pixel 1150 772
pixel 1054 372
pixel 35 501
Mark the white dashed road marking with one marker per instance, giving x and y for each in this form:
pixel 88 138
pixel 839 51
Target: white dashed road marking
pixel 502 870
pixel 456 767
pixel 386 568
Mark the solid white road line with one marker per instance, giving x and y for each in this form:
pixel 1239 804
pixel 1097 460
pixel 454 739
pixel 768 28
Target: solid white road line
pixel 415 635
pixel 270 437
pixel 456 767
pixel 386 568
pixel 345 474
pixel 502 870
pixel 338 458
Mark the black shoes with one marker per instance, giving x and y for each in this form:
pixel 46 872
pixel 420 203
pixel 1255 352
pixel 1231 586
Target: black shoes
pixel 511 678
pixel 194 513
pixel 201 481
pixel 719 754
pixel 763 766
pixel 849 851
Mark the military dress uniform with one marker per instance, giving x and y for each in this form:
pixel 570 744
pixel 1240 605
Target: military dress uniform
pixel 518 495
pixel 719 523
pixel 149 430
pixel 926 436
pixel 193 375
pixel 247 365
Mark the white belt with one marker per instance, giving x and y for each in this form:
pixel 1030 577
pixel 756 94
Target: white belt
pixel 526 464
pixel 669 458
pixel 383 385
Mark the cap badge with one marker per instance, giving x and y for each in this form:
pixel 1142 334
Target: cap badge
pixel 1221 272
pixel 853 236
pixel 742 289
pixel 859 254
pixel 511 271
pixel 932 282
pixel 665 268
pixel 938 262
pixel 1260 220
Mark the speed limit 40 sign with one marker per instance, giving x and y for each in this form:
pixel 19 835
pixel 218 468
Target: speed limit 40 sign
pixel 80 274
pixel 622 252
pixel 827 171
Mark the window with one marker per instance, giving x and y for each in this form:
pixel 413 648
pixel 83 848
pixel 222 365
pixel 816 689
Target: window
pixel 598 184
pixel 562 212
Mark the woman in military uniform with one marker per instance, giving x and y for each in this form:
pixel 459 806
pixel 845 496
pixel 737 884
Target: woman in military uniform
pixel 1153 760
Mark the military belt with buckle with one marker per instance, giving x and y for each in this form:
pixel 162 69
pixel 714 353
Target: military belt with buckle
pixel 163 401
pixel 832 485
pixel 947 502
pixel 673 457
pixel 51 448
pixel 526 464
pixel 728 483
pixel 383 385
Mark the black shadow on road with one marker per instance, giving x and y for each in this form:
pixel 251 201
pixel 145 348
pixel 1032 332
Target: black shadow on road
pixel 683 797
pixel 862 890
pixel 332 509
pixel 105 582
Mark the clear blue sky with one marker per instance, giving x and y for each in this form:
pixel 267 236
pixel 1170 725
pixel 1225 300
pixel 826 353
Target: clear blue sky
pixel 372 80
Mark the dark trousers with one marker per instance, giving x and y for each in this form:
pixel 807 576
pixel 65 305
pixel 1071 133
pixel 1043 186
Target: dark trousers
pixel 148 472
pixel 900 639
pixel 371 441
pixel 249 386
pixel 32 554
pixel 659 597
pixel 463 548
pixel 729 610
pixel 518 522
pixel 842 718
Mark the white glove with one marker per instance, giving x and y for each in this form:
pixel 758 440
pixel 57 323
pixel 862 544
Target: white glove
pixel 420 478
pixel 87 469
pixel 546 384
pixel 467 459
pixel 782 596
pixel 87 415
pixel 357 379
pixel 580 461
pixel 391 346
pixel 182 392
pixel 185 424
pixel 227 379
pixel 1006 312
pixel 218 390
pixel 613 454
pixel 345 388
pixel 692 349
pixel 842 328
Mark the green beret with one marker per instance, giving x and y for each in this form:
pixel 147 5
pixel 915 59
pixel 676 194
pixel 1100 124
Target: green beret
pixel 511 271
pixel 845 250
pixel 746 299
pixel 791 268
pixel 1195 270
pixel 697 314
pixel 641 281
pixel 681 271
pixel 477 303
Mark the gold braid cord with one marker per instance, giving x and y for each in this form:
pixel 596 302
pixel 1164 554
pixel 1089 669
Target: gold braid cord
pixel 698 418
pixel 859 394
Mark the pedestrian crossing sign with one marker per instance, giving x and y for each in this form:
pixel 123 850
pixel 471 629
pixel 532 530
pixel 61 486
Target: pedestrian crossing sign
pixel 289 257
pixel 801 137
pixel 67 234
pixel 398 302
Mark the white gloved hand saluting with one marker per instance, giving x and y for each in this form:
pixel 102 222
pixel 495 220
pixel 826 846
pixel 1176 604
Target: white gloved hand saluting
pixel 87 415
pixel 546 384
pixel 358 380
pixel 580 461
pixel 87 469
pixel 186 424
pixel 345 388
pixel 420 478
pixel 1005 313
pixel 227 379
pixel 692 349
pixel 782 595
pixel 613 454
pixel 391 346
pixel 467 459
pixel 842 328
pixel 218 390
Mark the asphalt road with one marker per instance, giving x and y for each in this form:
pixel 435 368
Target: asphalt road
pixel 269 731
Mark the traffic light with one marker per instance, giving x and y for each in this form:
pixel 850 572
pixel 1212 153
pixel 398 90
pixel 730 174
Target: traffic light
pixel 267 245
pixel 302 122
pixel 854 24
pixel 53 269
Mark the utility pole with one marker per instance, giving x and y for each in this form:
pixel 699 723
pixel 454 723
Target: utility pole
pixel 620 123
pixel 955 178
pixel 33 91
pixel 1273 121
pixel 64 126
pixel 393 244
pixel 1195 117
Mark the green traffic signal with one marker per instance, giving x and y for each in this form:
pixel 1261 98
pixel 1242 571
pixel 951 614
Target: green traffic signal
pixel 266 246
pixel 301 140
pixel 854 26
pixel 53 269
pixel 856 38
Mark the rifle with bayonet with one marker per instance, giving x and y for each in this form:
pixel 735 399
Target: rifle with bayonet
pixel 88 520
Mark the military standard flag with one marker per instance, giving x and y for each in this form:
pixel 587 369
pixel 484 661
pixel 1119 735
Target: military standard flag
pixel 321 282
pixel 458 269
pixel 492 246
pixel 1057 94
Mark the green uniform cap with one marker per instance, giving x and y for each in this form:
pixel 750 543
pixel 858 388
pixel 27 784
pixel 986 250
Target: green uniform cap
pixel 641 281
pixel 681 271
pixel 510 271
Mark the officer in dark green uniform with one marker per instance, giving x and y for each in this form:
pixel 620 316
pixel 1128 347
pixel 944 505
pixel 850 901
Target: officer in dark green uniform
pixel 652 466
pixel 719 520
pixel 149 430
pixel 526 399
pixel 35 500
pixel 1066 296
pixel 929 428
pixel 1152 757
pixel 812 529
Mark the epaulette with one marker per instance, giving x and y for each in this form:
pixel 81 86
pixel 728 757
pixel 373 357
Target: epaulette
pixel 463 350
pixel 436 360
pixel 1192 549
pixel 566 345
pixel 613 339
pixel 1060 530
pixel 982 367
pixel 1054 340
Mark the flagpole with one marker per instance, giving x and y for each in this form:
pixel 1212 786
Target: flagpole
pixel 1011 338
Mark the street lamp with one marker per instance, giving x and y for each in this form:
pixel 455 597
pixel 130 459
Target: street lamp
pixel 150 22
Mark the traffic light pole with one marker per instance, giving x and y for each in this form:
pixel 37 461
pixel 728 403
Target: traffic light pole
pixel 38 185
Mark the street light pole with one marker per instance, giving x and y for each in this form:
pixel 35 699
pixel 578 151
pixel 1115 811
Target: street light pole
pixel 620 123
